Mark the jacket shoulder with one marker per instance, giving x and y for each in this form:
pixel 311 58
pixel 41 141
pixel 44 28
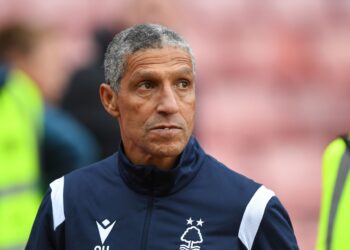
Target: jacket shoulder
pixel 86 180
pixel 261 214
pixel 226 178
pixel 93 172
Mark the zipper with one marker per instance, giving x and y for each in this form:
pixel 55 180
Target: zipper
pixel 146 225
pixel 144 240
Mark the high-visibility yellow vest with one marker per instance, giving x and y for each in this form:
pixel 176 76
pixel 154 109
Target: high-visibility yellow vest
pixel 21 115
pixel 334 227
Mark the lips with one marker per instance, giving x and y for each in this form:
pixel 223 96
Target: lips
pixel 165 127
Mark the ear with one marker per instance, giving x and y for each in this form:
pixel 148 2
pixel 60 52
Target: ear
pixel 109 99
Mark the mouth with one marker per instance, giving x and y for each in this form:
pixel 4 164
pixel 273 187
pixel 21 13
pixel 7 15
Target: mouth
pixel 166 127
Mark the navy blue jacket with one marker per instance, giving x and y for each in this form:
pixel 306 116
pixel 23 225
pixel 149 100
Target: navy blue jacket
pixel 199 204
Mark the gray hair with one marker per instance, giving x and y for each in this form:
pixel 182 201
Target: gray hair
pixel 136 38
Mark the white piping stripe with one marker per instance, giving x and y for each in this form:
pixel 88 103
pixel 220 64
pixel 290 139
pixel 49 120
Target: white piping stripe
pixel 253 215
pixel 57 187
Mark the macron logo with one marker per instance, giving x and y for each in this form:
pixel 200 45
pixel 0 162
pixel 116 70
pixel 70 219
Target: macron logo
pixel 105 229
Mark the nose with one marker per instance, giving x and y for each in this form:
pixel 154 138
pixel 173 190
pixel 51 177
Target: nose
pixel 168 103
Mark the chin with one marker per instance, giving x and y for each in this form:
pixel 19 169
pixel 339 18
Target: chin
pixel 167 149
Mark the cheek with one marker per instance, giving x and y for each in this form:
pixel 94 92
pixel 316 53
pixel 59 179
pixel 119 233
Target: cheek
pixel 132 116
pixel 189 113
pixel 130 126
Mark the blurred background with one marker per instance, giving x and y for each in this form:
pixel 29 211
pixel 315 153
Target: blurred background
pixel 272 77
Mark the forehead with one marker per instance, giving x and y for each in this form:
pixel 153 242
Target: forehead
pixel 162 58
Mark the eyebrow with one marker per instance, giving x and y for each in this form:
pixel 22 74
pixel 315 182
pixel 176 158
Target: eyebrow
pixel 144 73
pixel 186 71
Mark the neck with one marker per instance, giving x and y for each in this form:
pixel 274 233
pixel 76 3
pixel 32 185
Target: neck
pixel 161 162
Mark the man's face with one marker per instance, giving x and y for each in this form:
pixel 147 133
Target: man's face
pixel 156 103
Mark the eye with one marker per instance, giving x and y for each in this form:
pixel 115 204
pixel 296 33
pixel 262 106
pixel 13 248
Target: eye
pixel 146 85
pixel 183 84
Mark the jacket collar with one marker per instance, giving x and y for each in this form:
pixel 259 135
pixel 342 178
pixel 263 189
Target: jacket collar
pixel 153 181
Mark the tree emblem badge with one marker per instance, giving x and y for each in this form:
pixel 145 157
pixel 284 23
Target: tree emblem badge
pixel 192 236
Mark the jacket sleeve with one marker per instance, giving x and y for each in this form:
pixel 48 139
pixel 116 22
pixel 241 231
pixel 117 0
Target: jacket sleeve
pixel 49 228
pixel 275 230
pixel 41 236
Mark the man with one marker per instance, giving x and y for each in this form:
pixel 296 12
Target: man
pixel 161 190
pixel 334 223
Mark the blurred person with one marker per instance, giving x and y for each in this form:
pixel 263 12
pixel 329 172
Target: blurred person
pixel 334 226
pixel 21 116
pixel 160 190
pixel 33 75
pixel 66 144
pixel 87 109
